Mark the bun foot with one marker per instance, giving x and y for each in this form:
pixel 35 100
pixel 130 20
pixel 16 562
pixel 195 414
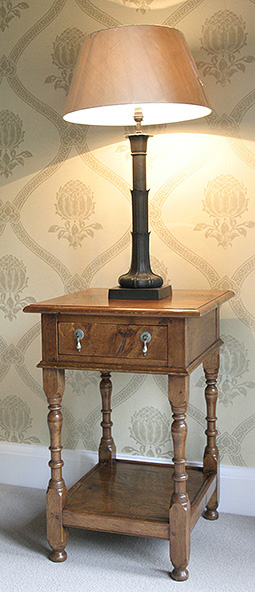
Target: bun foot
pixel 179 575
pixel 58 556
pixel 211 514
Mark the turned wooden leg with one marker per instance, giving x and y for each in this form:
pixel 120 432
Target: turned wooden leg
pixel 211 463
pixel 179 513
pixel 54 384
pixel 107 449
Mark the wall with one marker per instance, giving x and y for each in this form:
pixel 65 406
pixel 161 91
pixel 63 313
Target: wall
pixel 65 216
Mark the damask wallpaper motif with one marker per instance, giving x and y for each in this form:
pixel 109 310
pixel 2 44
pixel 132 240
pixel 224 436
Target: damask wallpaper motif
pixel 225 201
pixel 66 49
pixel 8 11
pixel 65 216
pixel 223 38
pixel 12 136
pixel 75 205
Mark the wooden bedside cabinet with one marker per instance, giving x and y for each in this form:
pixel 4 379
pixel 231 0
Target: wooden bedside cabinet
pixel 86 331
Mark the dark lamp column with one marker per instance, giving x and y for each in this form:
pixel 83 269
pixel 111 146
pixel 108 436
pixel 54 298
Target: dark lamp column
pixel 140 274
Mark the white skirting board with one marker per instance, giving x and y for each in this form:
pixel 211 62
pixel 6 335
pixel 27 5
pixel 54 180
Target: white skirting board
pixel 27 466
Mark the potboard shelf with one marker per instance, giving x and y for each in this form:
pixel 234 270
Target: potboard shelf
pixel 132 497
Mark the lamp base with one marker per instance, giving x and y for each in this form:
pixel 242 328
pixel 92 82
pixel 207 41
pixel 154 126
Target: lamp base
pixel 119 293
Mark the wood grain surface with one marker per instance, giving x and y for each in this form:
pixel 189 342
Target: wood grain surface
pixel 182 303
pixel 135 494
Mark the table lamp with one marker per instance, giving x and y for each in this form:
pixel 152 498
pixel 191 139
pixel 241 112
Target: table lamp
pixel 125 76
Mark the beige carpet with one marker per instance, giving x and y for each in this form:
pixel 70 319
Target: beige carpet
pixel 222 555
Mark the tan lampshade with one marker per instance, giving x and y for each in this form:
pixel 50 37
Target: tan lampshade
pixel 145 66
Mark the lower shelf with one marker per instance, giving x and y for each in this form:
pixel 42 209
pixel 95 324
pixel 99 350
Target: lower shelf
pixel 133 498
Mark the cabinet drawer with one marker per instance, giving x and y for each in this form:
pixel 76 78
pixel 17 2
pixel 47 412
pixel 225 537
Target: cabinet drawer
pixel 113 341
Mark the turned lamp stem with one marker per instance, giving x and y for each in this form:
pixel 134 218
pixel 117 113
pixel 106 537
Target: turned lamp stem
pixel 140 274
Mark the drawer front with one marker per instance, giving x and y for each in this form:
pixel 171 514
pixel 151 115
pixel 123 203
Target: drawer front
pixel 112 341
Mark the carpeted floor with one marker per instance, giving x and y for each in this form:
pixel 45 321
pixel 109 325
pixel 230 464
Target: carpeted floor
pixel 222 555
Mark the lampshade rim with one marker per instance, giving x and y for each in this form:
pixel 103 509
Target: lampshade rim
pixel 206 110
pixel 133 25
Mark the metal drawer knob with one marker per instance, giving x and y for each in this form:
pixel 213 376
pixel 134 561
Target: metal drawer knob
pixel 78 334
pixel 145 338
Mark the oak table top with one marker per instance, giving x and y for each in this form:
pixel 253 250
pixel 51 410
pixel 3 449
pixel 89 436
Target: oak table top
pixel 182 303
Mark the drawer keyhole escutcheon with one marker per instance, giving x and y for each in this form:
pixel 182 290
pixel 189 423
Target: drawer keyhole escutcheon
pixel 145 338
pixel 78 334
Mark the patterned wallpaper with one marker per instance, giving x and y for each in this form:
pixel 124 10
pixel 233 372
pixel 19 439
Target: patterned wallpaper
pixel 65 216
